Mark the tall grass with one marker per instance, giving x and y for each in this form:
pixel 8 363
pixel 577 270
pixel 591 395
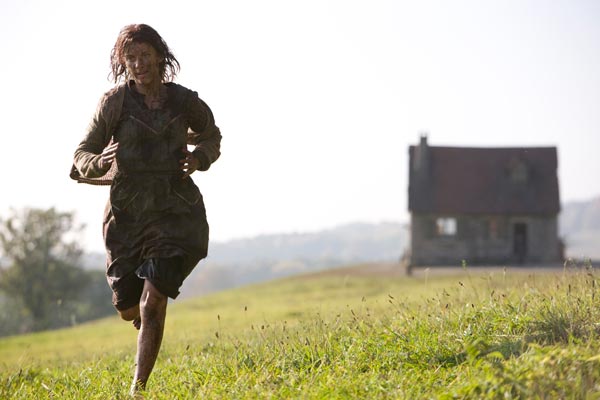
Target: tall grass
pixel 503 334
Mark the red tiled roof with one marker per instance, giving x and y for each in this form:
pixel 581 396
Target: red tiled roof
pixel 460 180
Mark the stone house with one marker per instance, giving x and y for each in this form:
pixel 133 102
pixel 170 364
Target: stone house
pixel 486 206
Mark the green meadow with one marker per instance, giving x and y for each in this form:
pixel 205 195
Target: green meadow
pixel 440 334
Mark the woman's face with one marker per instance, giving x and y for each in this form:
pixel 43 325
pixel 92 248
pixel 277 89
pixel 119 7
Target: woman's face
pixel 142 63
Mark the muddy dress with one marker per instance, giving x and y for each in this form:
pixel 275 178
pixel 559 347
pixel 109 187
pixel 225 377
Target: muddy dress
pixel 155 225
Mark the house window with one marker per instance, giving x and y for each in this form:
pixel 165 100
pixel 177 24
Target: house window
pixel 446 226
pixel 518 172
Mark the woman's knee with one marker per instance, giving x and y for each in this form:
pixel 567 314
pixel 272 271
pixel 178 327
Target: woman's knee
pixel 152 299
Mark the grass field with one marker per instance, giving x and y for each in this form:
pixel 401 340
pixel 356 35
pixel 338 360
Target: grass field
pixel 485 334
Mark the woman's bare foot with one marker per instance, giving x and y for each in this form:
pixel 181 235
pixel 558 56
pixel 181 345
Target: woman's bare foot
pixel 136 391
pixel 132 314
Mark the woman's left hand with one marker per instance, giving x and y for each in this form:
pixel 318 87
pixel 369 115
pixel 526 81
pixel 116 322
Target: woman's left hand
pixel 189 163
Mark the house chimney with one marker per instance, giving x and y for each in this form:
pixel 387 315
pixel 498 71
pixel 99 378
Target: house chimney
pixel 421 161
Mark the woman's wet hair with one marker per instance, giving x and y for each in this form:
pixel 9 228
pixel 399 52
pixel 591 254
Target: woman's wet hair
pixel 141 33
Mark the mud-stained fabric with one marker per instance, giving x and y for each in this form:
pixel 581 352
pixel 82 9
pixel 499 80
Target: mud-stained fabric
pixel 155 223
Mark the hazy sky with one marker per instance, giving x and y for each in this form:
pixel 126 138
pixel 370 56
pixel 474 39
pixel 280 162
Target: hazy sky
pixel 317 100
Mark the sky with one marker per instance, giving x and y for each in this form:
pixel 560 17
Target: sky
pixel 317 100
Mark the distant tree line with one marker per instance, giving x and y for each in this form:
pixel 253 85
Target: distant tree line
pixel 42 283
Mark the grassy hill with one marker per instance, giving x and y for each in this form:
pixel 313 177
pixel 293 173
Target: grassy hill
pixel 341 334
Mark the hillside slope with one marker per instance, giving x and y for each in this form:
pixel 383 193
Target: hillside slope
pixel 265 257
pixel 486 335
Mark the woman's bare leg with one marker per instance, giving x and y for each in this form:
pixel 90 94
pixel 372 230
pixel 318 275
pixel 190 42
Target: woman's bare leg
pixel 153 310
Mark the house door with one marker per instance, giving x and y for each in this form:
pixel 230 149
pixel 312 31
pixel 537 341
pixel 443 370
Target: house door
pixel 520 242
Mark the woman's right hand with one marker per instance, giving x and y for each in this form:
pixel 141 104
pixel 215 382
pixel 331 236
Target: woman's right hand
pixel 108 155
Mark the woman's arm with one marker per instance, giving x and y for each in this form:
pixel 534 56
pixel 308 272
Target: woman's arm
pixel 94 155
pixel 203 133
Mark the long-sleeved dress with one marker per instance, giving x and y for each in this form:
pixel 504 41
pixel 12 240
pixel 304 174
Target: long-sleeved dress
pixel 155 223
